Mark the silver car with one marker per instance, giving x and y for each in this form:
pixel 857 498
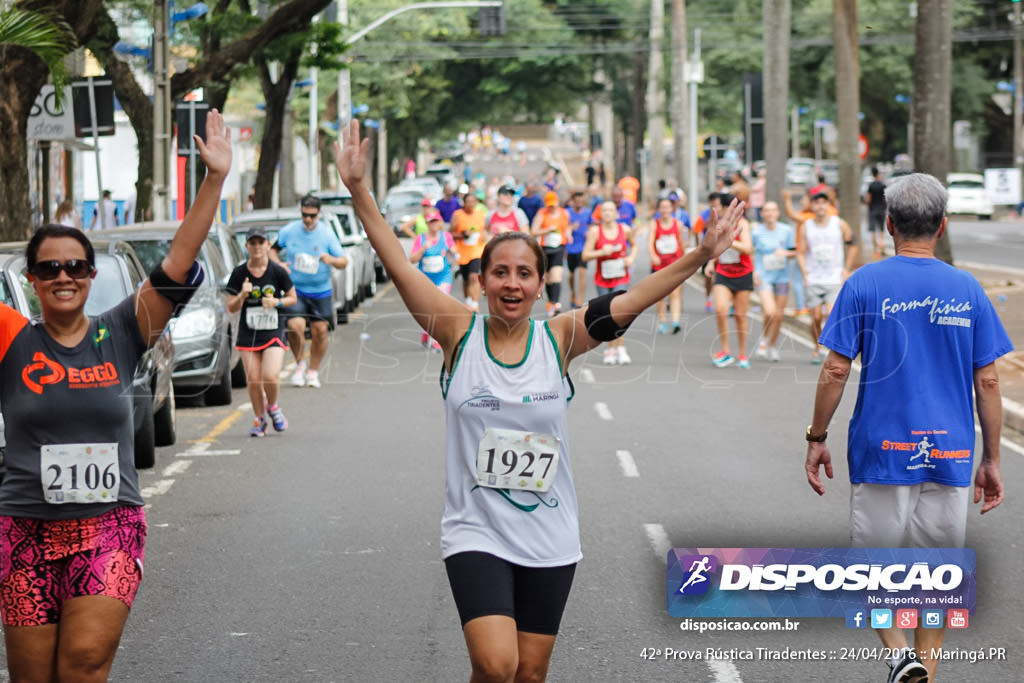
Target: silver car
pixel 207 364
pixel 347 295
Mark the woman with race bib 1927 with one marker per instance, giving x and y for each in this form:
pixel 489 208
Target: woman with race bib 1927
pixel 72 526
pixel 510 533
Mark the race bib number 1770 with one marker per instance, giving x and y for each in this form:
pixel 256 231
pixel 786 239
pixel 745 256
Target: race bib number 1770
pixel 513 459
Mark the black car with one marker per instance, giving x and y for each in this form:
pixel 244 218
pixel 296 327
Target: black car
pixel 118 273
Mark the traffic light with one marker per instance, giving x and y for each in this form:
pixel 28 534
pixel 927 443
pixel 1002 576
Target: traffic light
pixel 491 20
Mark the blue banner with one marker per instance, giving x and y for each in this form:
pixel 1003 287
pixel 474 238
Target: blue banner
pixel 848 583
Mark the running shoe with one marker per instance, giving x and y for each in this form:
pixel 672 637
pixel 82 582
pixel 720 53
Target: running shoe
pixel 707 306
pixel 435 347
pixel 722 359
pixel 278 419
pixel 663 328
pixel 259 426
pixel 611 357
pixel 744 363
pixel 773 354
pixel 675 328
pixel 313 379
pixel 762 349
pixel 299 376
pixel 908 668
pixel 624 358
pixel 816 357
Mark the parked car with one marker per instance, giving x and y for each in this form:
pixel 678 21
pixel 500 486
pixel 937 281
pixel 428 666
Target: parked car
pixel 450 150
pixel 443 174
pixel 830 169
pixel 231 251
pixel 967 195
pixel 400 205
pixel 206 362
pixel 427 187
pixel 342 197
pixel 118 273
pixel 800 171
pixel 347 296
pixel 353 238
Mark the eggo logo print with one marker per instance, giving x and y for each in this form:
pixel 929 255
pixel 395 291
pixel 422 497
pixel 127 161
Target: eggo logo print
pixel 41 372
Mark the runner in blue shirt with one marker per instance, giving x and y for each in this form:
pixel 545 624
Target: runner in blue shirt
pixel 579 224
pixel 928 338
pixel 311 249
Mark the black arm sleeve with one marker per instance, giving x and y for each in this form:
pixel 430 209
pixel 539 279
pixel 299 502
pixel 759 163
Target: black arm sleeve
pixel 177 293
pixel 598 318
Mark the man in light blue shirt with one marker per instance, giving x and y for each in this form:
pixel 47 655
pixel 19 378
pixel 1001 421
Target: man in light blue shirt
pixel 310 249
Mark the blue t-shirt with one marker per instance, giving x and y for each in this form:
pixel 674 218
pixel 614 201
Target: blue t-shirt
pixel 302 249
pixel 579 222
pixel 683 216
pixel 447 207
pixel 530 204
pixel 627 212
pixel 772 270
pixel 921 328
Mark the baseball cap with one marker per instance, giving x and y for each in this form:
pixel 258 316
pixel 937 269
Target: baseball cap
pixel 433 215
pixel 550 199
pixel 820 195
pixel 255 231
pixel 506 189
pixel 426 202
pixel 463 188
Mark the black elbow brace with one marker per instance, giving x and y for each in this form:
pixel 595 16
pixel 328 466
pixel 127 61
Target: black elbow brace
pixel 177 293
pixel 598 318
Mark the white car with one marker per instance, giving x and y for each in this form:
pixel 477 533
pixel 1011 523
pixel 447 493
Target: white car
pixel 967 195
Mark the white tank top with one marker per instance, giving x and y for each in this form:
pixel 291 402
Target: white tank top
pixel 527 528
pixel 824 257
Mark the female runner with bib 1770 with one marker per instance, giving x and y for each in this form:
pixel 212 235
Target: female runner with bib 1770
pixel 510 533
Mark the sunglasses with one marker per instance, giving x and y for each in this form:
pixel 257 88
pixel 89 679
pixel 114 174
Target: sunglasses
pixel 76 268
pixel 309 215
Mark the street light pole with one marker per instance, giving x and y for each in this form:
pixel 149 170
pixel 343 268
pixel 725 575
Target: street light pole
pixel 1018 80
pixel 161 199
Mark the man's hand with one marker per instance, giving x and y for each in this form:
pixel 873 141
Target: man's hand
pixel 988 481
pixel 817 455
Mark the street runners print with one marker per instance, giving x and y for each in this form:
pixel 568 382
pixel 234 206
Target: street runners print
pixel 923 446
pixel 817 582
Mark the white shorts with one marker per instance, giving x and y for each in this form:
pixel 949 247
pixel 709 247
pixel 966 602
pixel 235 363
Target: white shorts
pixel 924 515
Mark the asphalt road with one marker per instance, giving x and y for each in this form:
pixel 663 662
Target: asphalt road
pixel 313 555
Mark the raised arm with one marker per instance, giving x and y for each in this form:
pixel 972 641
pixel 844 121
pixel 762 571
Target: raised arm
pixel 444 318
pixel 624 308
pixel 153 307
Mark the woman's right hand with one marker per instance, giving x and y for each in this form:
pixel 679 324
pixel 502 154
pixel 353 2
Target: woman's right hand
pixel 351 155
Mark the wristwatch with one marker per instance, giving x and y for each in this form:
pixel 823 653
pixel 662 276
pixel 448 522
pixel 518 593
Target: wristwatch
pixel 816 438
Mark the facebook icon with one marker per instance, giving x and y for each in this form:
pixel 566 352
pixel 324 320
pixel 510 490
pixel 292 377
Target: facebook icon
pixel 855 619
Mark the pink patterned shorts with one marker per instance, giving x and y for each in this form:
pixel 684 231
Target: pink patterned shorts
pixel 45 562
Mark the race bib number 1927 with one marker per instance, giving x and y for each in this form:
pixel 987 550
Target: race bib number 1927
pixel 513 459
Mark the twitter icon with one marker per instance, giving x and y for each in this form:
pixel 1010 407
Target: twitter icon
pixel 881 618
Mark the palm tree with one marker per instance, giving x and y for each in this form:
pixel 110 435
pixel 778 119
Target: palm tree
pixel 32 44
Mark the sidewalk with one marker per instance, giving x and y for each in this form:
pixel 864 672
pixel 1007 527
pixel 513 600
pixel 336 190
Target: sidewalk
pixel 1005 288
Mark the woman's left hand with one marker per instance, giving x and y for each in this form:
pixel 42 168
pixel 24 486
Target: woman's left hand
pixel 216 151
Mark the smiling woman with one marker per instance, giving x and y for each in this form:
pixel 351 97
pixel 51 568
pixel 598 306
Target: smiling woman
pixel 510 530
pixel 70 491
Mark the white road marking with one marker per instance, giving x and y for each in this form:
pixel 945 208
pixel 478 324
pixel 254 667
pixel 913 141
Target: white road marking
pixel 176 467
pixel 627 464
pixel 203 454
pixel 1003 441
pixel 602 411
pixel 724 671
pixel 587 375
pixel 971 265
pixel 159 488
pixel 659 540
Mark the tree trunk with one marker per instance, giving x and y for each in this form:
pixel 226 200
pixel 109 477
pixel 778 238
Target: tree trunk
pixel 275 94
pixel 22 75
pixel 681 143
pixel 776 18
pixel 933 73
pixel 655 103
pixel 844 33
pixel 136 104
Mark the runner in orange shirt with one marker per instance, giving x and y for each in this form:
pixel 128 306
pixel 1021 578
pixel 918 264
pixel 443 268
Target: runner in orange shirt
pixel 551 228
pixel 470 236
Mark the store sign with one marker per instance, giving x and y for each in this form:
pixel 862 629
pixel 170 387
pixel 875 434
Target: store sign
pixel 47 121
